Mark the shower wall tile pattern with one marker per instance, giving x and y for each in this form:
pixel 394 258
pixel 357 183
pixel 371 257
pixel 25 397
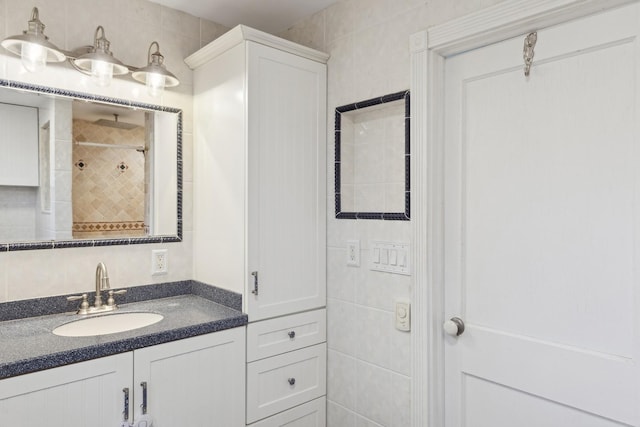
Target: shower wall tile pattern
pixel 108 182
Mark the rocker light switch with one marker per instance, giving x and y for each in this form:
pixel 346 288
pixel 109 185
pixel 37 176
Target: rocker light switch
pixel 390 257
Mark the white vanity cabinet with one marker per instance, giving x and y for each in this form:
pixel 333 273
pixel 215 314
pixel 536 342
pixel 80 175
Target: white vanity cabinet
pixel 260 171
pixel 260 211
pixel 79 395
pixel 286 363
pixel 196 381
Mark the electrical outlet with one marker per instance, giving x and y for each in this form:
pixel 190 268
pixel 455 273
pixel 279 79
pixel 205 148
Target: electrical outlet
pixel 353 253
pixel 159 261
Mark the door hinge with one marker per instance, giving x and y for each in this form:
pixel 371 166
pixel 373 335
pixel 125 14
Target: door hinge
pixel 528 51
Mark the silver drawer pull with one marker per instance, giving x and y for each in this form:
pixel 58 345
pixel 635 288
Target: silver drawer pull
pixel 292 334
pixel 144 397
pixel 126 404
pixel 292 381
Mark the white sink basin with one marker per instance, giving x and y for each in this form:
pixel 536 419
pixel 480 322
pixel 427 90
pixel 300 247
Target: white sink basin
pixel 107 324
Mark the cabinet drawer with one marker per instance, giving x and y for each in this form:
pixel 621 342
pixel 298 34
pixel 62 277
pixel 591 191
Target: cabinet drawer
pixel 281 382
pixel 275 336
pixel 310 414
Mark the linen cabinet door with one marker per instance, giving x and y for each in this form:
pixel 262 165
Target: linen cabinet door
pixel 197 381
pixel 286 182
pixel 78 395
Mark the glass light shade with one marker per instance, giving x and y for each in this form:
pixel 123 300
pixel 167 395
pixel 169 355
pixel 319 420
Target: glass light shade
pixel 99 62
pixel 102 72
pixel 155 75
pixel 34 57
pixel 155 84
pixel 33 46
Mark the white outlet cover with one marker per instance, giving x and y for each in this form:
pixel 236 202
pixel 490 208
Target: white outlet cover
pixel 159 261
pixel 353 253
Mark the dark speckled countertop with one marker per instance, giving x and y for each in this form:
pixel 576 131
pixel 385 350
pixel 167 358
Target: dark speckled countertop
pixel 190 308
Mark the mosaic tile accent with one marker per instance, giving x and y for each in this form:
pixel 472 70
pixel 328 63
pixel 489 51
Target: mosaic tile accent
pixel 83 230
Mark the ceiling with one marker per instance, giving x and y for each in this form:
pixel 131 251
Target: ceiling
pixel 272 16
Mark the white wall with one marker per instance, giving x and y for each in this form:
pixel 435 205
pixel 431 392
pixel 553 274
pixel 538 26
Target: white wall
pixel 369 367
pixel 131 26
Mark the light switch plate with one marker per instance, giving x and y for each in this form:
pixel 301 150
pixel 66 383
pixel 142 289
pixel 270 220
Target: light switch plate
pixel 390 257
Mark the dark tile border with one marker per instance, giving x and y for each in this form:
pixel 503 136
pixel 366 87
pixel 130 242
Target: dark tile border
pixel 23 246
pixel 392 216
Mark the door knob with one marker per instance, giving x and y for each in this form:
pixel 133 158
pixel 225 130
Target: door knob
pixel 454 326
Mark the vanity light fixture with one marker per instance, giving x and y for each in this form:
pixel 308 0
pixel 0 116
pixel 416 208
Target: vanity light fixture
pixel 36 50
pixel 33 46
pixel 99 61
pixel 155 75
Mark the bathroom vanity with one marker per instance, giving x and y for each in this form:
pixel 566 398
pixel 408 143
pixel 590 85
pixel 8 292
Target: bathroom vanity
pixel 183 370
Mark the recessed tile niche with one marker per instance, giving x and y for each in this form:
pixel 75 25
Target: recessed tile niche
pixel 372 158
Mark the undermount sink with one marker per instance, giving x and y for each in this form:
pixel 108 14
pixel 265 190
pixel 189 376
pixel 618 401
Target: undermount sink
pixel 107 324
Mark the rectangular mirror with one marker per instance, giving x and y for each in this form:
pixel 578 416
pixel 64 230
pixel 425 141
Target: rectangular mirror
pixel 372 157
pixel 83 170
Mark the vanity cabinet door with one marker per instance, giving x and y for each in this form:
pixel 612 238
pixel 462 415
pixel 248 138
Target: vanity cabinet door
pixel 286 182
pixel 78 395
pixel 197 381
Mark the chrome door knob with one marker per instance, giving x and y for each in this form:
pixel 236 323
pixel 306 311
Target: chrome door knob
pixel 453 326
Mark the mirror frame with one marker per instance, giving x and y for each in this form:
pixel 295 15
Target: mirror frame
pixel 84 243
pixel 397 216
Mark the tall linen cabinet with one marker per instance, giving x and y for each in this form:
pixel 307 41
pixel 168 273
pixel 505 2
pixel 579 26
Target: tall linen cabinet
pixel 260 211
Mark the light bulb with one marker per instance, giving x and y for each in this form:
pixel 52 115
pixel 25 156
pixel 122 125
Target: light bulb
pixel 155 83
pixel 102 72
pixel 34 57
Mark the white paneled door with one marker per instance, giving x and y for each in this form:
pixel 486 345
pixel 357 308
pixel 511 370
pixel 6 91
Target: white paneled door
pixel 542 236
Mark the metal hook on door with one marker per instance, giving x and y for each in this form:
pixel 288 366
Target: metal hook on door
pixel 528 51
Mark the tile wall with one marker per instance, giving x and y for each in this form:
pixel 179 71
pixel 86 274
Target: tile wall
pixel 369 366
pixel 108 182
pixel 131 26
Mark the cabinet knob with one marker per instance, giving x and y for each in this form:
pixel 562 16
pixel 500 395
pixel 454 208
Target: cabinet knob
pixel 292 334
pixel 292 381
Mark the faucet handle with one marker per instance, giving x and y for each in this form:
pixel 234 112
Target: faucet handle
pixel 84 305
pixel 110 301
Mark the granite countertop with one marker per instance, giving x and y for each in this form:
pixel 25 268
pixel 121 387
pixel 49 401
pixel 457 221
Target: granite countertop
pixel 189 308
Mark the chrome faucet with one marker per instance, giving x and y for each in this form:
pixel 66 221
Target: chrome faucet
pixel 102 284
